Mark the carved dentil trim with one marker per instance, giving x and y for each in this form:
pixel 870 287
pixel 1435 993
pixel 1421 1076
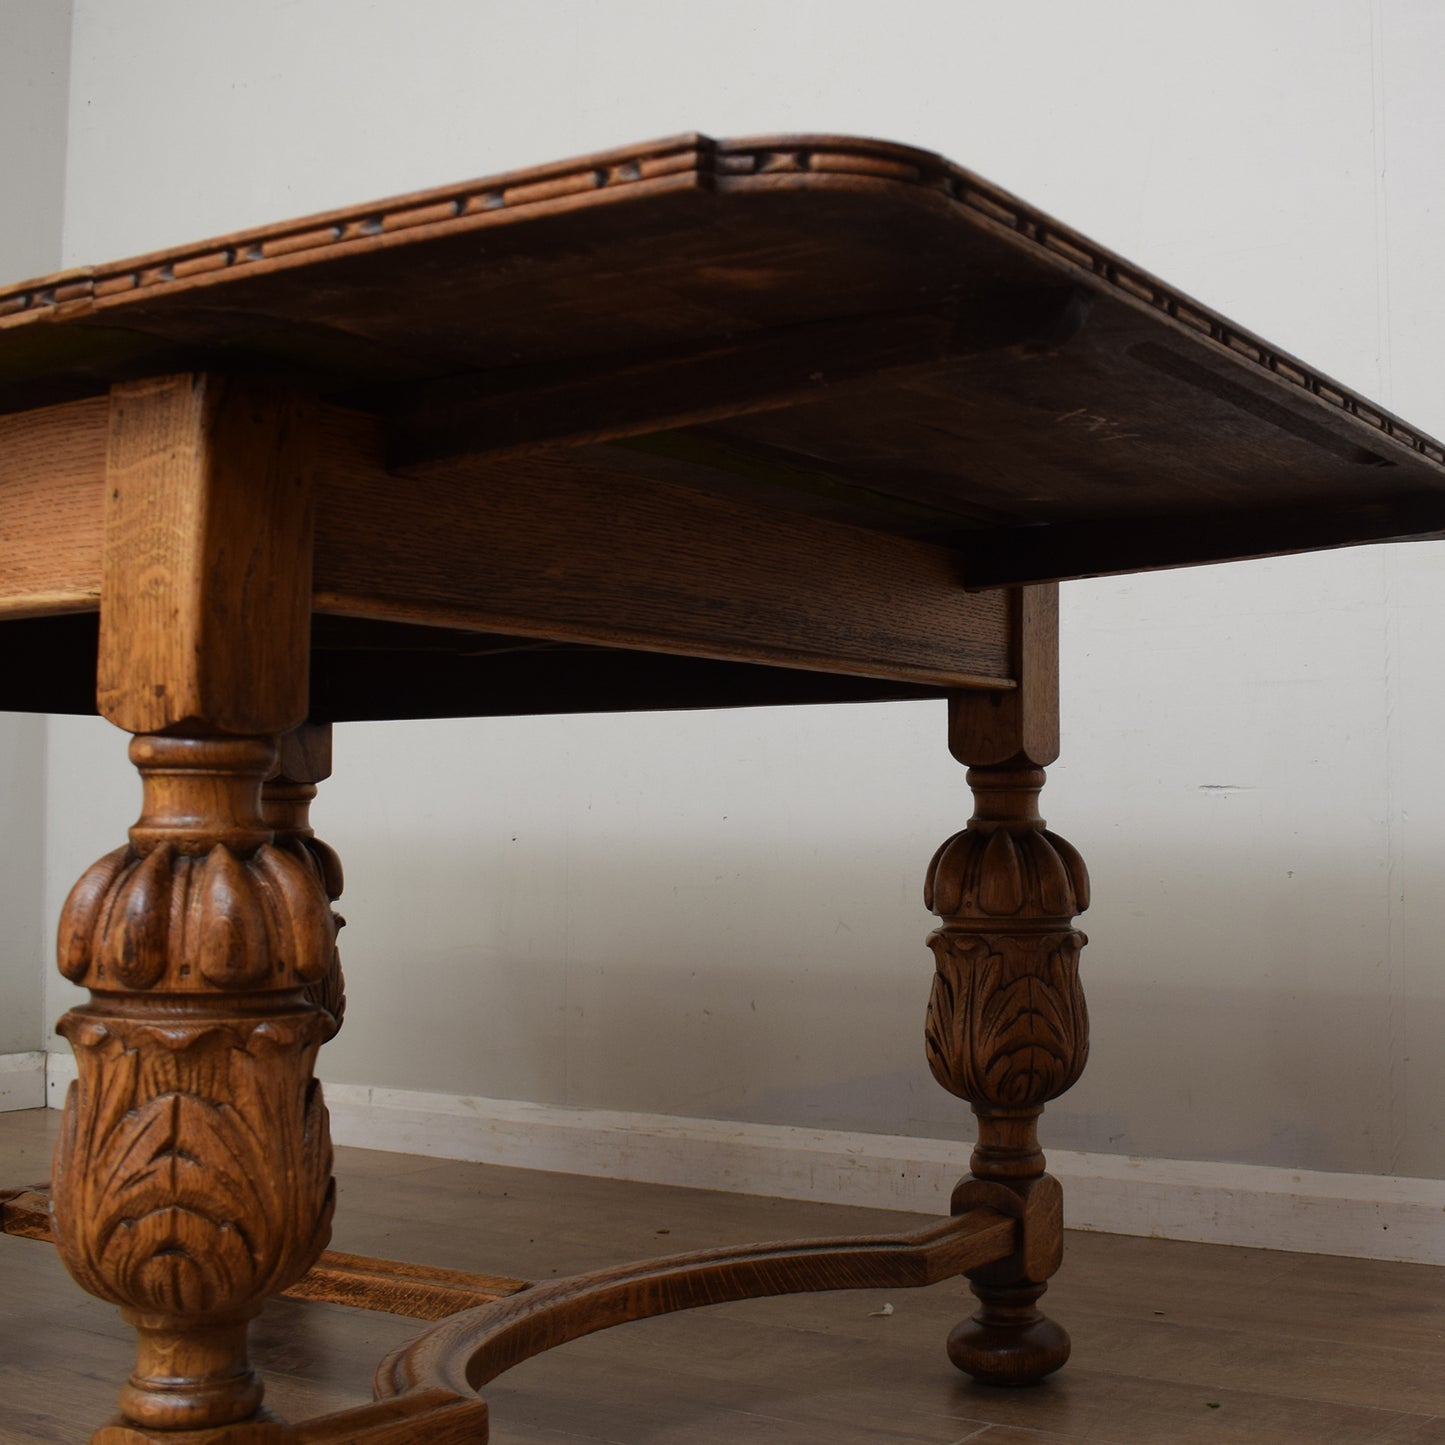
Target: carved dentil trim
pixel 193 922
pixel 193 1173
pixel 724 164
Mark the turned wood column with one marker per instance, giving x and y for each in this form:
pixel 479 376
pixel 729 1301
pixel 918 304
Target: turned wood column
pixel 193 1175
pixel 1007 1026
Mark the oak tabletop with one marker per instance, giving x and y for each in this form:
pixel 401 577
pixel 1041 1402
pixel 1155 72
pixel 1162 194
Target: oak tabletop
pixel 859 331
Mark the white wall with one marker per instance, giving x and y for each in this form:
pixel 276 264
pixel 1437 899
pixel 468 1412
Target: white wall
pixel 719 915
pixel 34 87
pixel 34 75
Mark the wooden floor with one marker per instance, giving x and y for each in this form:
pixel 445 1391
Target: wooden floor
pixel 1173 1343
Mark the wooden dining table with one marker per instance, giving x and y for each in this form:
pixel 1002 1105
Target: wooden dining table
pixel 690 424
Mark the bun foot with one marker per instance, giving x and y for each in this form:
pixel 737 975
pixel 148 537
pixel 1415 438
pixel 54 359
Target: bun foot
pixel 1008 1341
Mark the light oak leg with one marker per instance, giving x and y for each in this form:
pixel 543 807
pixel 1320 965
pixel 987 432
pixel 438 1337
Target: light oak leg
pixel 193 1176
pixel 1007 1025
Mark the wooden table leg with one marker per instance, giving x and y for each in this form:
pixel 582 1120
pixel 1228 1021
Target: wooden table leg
pixel 193 1175
pixel 1007 1026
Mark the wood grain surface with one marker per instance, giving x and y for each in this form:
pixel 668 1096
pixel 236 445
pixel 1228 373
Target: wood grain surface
pixel 396 1287
pixel 884 334
pixel 554 546
pixel 206 579
pixel 469 1350
pixel 1021 724
pixel 563 546
pixel 1182 1343
pixel 52 511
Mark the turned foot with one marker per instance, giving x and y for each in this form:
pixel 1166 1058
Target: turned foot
pixel 1007 1341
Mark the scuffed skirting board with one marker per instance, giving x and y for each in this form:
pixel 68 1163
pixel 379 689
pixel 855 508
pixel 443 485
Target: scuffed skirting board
pixel 1364 1215
pixel 22 1081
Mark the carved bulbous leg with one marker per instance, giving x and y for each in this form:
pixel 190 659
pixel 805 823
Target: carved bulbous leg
pixel 1007 1030
pixel 193 1175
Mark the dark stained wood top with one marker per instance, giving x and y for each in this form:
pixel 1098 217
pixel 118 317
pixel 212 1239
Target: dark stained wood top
pixel 848 328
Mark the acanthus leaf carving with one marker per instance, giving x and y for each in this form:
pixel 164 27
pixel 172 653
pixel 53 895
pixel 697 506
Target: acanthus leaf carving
pixel 231 934
pixel 83 909
pixel 193 1175
pixel 299 893
pixel 993 871
pixel 1007 1024
pixel 196 920
pixel 135 935
pixel 286 805
pixel 1001 875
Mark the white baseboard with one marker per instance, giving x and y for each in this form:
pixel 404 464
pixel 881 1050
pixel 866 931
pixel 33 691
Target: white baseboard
pixel 1364 1215
pixel 22 1081
pixel 59 1073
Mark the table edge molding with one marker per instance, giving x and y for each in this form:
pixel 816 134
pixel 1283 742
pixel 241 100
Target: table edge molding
pixel 689 160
